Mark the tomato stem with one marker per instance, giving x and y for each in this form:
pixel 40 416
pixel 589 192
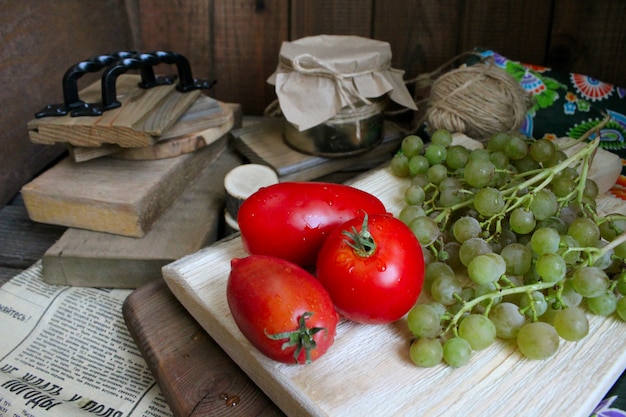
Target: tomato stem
pixel 361 242
pixel 302 338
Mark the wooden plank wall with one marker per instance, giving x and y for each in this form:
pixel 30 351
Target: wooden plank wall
pixel 237 42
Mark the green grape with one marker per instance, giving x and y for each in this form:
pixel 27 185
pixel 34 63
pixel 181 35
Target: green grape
pixel 522 221
pixel 488 201
pixel 399 165
pixel 562 186
pixel 569 172
pixel 545 240
pixel 604 304
pixel 585 231
pixel 534 303
pixel 425 229
pixel 410 212
pixel 486 268
pixel 551 267
pixel 497 142
pixel 420 179
pixel 489 288
pixel 537 340
pixel 621 308
pixel 437 173
pixel 479 155
pixel 558 157
pixel 571 324
pixel 571 257
pixel 612 226
pixel 435 153
pixel 518 258
pixel 607 258
pixel 457 352
pixel 466 228
pixel 499 159
pixel 568 297
pixel 516 147
pixel 620 280
pixel 526 164
pixel 542 150
pixel 418 164
pixel 439 308
pixel 457 157
pixel 556 223
pixel 590 281
pixel 450 183
pixel 478 330
pixel 436 269
pixel 423 321
pixel 591 189
pixel 507 319
pixel 444 288
pixel 412 145
pixel 441 137
pixel 544 204
pixel 414 195
pixel 449 197
pixel 620 250
pixel 473 247
pixel 426 352
pixel 479 173
pixel 452 250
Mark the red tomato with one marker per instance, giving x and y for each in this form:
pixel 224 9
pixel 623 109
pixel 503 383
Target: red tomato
pixel 377 281
pixel 290 220
pixel 281 308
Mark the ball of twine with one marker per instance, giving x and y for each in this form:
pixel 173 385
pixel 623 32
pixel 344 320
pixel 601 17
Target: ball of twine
pixel 477 100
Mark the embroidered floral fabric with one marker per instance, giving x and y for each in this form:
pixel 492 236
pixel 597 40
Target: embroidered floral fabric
pixel 569 104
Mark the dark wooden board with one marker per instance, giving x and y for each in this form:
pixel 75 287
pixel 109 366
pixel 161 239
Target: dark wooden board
pixel 195 375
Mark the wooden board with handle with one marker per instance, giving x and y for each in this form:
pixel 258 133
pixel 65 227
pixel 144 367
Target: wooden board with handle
pixel 368 372
pixel 144 115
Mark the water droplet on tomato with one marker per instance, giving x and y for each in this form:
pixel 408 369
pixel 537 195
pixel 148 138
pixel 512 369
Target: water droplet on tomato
pixel 381 266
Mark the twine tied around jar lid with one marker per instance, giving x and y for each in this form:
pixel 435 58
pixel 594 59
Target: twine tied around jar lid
pixel 317 76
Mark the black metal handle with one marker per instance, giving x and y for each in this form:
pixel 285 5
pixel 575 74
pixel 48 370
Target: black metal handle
pixel 116 64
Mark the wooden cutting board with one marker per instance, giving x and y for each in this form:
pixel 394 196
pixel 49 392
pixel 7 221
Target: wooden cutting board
pixel 368 372
pixel 197 378
pixel 96 259
pixel 263 143
pixel 111 195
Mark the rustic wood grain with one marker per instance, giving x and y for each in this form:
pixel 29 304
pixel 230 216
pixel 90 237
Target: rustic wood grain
pixel 39 43
pixel 423 34
pixel 111 195
pixel 331 17
pixel 248 35
pixel 516 29
pixel 183 26
pixel 94 259
pixel 589 37
pixel 170 340
pixel 22 240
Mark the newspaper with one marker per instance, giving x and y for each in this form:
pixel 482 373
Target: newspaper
pixel 66 351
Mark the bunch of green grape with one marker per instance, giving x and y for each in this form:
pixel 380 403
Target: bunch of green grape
pixel 513 244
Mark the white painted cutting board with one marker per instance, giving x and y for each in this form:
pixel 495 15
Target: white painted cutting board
pixel 367 372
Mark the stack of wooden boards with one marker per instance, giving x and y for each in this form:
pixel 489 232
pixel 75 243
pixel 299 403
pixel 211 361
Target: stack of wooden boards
pixel 140 188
